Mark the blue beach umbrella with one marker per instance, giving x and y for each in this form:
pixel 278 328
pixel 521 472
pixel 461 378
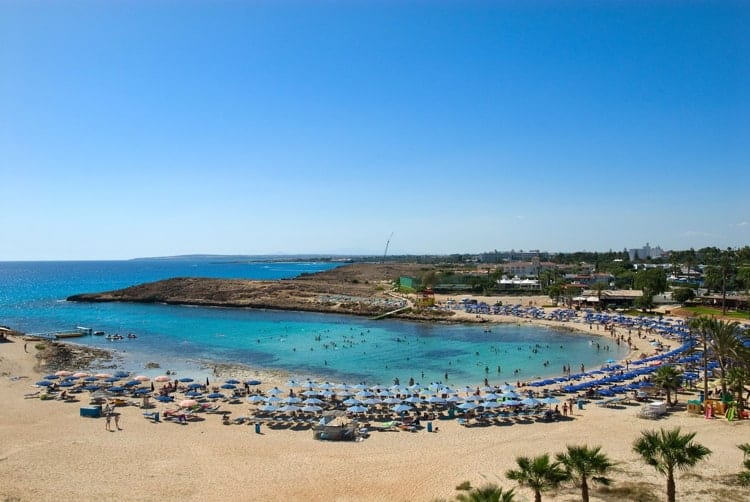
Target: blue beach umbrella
pixel 117 389
pixel 164 399
pixel 232 381
pixel 44 383
pixel 253 382
pixel 122 374
pixel 131 383
pixel 194 386
pixel 228 386
pixel 112 379
pixel 215 395
pixel 51 377
pixel 142 391
pixel 67 383
pixel 186 379
pixel 91 388
pixel 193 393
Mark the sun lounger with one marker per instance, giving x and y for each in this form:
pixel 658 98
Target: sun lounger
pixel 31 395
pixel 152 416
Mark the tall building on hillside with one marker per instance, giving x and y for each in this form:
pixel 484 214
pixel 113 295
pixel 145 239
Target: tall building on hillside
pixel 645 253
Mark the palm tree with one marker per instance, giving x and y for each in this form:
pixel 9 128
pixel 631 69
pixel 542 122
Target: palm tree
pixel 667 450
pixel 725 344
pixel 736 379
pixel 538 473
pixel 487 493
pixel 584 463
pixel 599 287
pixel 700 325
pixel 669 379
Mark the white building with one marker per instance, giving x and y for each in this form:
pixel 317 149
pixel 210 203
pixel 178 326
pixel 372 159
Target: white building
pixel 645 253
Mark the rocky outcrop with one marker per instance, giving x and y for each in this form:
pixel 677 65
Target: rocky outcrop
pixel 358 289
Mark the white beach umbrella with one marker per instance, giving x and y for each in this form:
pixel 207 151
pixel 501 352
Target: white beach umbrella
pixel 312 400
pixel 275 391
pixel 400 408
pixel 311 408
pixel 268 408
pixel 290 408
pixel 256 399
pixel 352 402
pixel 357 409
pixel 413 400
pixel 467 406
pixel 373 401
pixel 292 400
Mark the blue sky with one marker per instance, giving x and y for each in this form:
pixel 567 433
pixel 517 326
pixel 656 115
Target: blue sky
pixel 155 128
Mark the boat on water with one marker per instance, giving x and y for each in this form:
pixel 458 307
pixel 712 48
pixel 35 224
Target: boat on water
pixel 98 333
pixel 69 334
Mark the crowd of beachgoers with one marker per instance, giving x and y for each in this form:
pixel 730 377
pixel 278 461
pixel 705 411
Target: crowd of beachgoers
pixel 303 403
pixel 470 431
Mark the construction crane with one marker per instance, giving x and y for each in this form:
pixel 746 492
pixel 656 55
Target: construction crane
pixel 387 243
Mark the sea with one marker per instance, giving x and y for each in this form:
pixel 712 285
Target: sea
pixel 336 348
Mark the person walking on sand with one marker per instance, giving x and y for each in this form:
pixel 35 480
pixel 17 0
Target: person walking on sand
pixel 108 418
pixel 117 421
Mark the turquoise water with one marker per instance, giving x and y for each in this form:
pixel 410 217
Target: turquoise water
pixel 338 348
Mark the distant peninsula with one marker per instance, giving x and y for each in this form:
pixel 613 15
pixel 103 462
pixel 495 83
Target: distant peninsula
pixel 364 289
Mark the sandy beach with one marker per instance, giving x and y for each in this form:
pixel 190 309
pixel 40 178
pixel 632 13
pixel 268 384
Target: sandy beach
pixel 49 452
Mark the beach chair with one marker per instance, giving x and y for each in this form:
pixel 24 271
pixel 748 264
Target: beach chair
pixel 153 416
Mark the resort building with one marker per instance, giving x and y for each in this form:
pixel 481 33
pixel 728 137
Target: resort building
pixel 645 253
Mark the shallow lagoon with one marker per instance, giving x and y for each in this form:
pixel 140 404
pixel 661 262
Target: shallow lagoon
pixel 337 348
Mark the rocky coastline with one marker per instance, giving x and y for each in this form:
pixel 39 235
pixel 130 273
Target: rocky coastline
pixel 363 289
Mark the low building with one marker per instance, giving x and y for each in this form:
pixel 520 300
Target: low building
pixel 609 298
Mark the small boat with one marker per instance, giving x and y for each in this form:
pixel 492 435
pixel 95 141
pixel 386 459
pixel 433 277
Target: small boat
pixel 71 334
pixel 99 333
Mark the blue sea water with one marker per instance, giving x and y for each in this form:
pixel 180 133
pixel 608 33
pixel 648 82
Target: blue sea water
pixel 337 348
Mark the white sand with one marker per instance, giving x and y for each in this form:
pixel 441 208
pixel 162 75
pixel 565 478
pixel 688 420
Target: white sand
pixel 48 452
